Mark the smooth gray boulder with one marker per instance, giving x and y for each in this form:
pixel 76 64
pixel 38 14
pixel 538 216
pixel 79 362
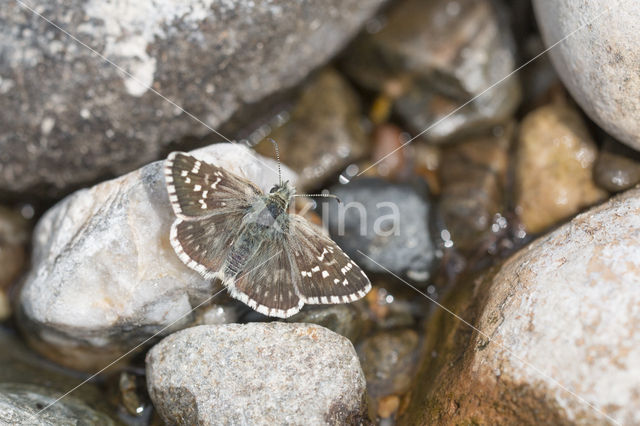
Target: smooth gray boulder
pixel 599 62
pixel 70 118
pixel 104 276
pixel 256 374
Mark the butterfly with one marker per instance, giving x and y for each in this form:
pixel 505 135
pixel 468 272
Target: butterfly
pixel 270 259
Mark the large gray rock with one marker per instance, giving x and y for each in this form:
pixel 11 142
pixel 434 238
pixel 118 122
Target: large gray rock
pixel 599 62
pixel 104 276
pixel 562 314
pixel 70 118
pixel 256 374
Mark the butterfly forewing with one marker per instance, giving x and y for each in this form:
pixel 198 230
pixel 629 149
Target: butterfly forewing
pixel 197 188
pixel 325 273
pixel 203 245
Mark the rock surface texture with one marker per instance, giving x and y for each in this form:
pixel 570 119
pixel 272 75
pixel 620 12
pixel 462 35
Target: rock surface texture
pixel 599 63
pixel 257 374
pixel 71 118
pixel 434 56
pixel 20 405
pixel 561 314
pixel 554 167
pixel 324 133
pixel 104 275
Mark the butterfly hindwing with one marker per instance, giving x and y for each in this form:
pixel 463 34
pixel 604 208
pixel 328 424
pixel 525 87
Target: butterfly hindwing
pixel 197 188
pixel 325 273
pixel 265 283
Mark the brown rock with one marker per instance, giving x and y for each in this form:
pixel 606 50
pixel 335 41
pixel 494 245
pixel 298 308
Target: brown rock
pixel 388 361
pixel 554 167
pixel 389 154
pixel 473 177
pixel 430 57
pixel 14 237
pixel 388 405
pixel 324 133
pixel 617 167
pixel 559 315
pixel 13 240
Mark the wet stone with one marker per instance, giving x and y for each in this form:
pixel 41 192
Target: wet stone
pixel 217 314
pixel 258 374
pixel 70 119
pixel 389 360
pixel 28 383
pixel 554 167
pixel 384 226
pixel 434 56
pixel 20 404
pixel 473 177
pixel 617 167
pixel 14 236
pixel 324 133
pixel 346 319
pixel 390 157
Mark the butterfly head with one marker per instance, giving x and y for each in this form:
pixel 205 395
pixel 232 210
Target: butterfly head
pixel 282 193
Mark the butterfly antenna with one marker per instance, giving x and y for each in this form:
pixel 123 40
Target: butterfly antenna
pixel 320 195
pixel 275 145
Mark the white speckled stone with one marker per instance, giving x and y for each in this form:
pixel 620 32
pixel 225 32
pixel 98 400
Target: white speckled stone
pixel 256 374
pixel 569 304
pixel 69 118
pixel 103 274
pixel 599 63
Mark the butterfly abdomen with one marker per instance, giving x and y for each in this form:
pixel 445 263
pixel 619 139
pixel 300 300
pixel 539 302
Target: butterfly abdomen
pixel 243 248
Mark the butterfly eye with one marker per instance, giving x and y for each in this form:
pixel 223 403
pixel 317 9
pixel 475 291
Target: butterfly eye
pixel 274 189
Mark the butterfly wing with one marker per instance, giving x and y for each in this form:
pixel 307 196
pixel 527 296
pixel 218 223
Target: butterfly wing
pixel 324 273
pixel 203 244
pixel 265 283
pixel 210 203
pixel 197 188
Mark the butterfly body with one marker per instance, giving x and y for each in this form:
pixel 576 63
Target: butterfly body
pixel 272 260
pixel 265 219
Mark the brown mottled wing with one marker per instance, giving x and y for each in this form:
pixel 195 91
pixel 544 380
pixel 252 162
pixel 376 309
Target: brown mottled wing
pixel 323 272
pixel 203 244
pixel 265 283
pixel 210 204
pixel 197 188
